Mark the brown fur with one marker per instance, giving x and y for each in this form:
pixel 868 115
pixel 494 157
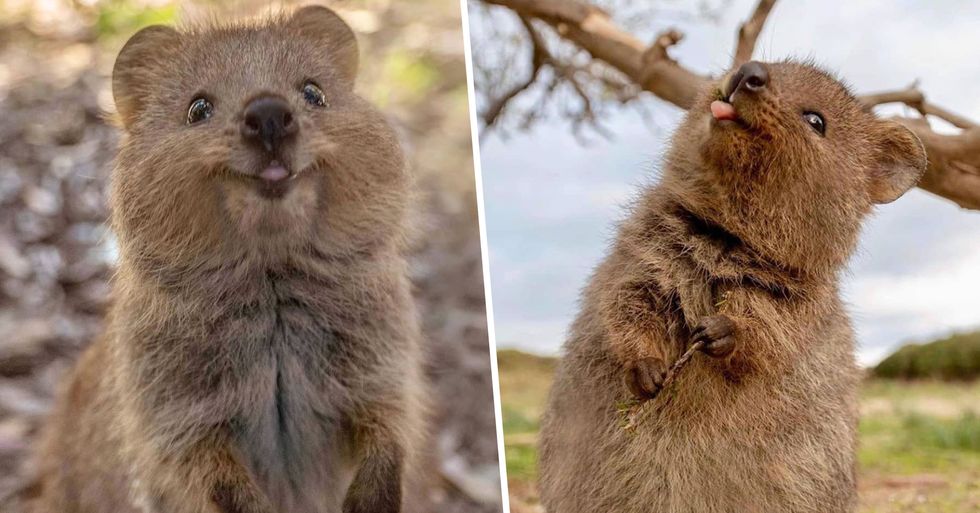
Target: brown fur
pixel 742 240
pixel 262 355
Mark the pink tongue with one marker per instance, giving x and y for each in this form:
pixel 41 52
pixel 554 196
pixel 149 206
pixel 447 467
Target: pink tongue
pixel 274 173
pixel 723 111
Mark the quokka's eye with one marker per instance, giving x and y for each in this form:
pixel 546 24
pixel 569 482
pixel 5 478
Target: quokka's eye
pixel 314 95
pixel 199 110
pixel 815 121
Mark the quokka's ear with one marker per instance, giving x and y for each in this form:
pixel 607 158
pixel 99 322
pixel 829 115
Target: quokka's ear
pixel 334 36
pixel 138 68
pixel 900 161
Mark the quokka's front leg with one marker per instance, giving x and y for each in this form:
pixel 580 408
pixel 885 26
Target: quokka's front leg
pixel 636 333
pixel 215 467
pixel 746 336
pixel 377 484
pixel 717 334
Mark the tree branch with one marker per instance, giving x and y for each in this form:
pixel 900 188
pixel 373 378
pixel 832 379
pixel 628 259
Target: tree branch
pixel 497 106
pixel 749 32
pixel 591 29
pixel 914 98
pixel 664 77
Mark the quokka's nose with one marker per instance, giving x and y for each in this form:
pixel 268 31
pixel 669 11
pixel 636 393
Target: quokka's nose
pixel 268 122
pixel 751 77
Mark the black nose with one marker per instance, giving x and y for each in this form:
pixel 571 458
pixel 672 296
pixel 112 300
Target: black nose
pixel 268 122
pixel 751 76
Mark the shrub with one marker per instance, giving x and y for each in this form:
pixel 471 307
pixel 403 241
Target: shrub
pixel 953 358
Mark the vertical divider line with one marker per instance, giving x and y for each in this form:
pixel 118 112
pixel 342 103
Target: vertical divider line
pixel 485 252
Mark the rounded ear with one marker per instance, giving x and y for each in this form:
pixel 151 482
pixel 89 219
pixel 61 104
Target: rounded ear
pixel 900 161
pixel 324 26
pixel 136 68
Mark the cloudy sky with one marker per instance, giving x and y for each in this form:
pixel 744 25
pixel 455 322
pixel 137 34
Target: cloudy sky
pixel 552 203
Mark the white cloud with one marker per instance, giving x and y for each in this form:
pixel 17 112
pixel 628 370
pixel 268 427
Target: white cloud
pixel 919 304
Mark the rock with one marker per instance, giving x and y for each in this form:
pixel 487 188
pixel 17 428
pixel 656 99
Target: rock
pixel 43 202
pixel 12 261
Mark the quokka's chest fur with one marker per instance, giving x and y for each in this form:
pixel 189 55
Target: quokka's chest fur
pixel 297 437
pixel 280 360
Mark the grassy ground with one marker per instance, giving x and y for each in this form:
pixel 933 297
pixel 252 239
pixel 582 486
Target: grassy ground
pixel 919 442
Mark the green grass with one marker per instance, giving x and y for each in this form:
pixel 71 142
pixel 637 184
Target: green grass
pixel 522 462
pixel 524 383
pixel 908 430
pixel 912 443
pixel 416 75
pixel 115 17
pixel 516 421
pixel 919 427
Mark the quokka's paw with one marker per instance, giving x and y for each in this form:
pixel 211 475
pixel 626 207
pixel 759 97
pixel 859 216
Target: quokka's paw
pixel 718 334
pixel 645 377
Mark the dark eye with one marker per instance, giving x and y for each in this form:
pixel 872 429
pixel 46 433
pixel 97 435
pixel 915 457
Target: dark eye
pixel 815 121
pixel 199 110
pixel 314 95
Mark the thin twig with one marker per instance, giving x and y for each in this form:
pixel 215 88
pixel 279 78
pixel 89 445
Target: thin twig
pixel 629 409
pixel 679 364
pixel 538 51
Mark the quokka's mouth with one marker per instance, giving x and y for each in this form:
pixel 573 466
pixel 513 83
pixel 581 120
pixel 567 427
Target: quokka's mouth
pixel 722 108
pixel 275 172
pixel 275 180
pixel 723 111
pixel 272 180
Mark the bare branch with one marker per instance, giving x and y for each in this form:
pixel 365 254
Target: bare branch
pixel 954 119
pixel 665 78
pixel 910 96
pixel 749 32
pixel 497 106
pixel 591 29
pixel 914 98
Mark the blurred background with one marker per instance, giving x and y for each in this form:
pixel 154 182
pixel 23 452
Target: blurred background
pixel 577 140
pixel 55 147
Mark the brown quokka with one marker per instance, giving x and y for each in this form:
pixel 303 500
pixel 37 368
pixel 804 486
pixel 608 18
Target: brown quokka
pixel 739 247
pixel 262 351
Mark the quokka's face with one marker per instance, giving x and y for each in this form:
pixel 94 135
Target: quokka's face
pixel 253 134
pixel 792 126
